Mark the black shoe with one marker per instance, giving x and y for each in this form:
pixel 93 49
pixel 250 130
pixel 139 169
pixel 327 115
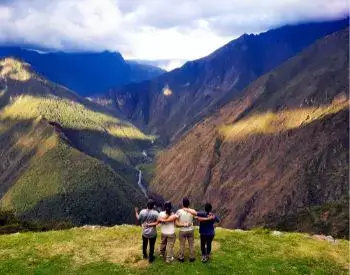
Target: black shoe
pixel 145 257
pixel 181 260
pixel 192 260
pixel 151 259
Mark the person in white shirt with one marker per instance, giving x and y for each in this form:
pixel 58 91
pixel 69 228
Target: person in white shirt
pixel 168 237
pixel 167 220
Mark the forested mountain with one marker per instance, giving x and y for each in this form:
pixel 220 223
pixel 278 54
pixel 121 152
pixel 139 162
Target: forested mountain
pixel 64 159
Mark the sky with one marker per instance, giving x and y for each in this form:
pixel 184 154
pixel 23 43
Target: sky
pixel 174 30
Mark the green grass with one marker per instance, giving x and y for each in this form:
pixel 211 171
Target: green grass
pixel 117 250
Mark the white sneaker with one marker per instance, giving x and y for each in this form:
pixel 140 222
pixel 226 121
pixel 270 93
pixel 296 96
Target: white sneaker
pixel 169 260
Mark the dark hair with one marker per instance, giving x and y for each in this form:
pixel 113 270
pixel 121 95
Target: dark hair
pixel 167 207
pixel 150 204
pixel 208 207
pixel 186 202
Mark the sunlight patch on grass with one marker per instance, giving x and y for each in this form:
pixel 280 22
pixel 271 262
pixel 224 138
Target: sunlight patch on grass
pixel 70 114
pixel 128 132
pixel 272 123
pixel 14 69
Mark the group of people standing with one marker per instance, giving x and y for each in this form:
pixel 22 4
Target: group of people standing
pixel 168 220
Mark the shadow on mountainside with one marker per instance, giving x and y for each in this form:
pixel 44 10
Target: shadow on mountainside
pixel 263 175
pixel 24 142
pixel 19 141
pixel 103 206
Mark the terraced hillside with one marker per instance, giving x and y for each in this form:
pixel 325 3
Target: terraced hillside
pixel 64 159
pixel 277 156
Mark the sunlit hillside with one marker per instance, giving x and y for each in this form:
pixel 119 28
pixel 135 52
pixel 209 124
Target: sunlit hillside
pixel 270 123
pixel 64 158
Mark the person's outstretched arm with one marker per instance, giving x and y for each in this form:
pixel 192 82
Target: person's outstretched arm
pixel 137 213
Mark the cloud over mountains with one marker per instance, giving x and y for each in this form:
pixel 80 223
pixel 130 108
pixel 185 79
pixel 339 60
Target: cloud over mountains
pixel 152 29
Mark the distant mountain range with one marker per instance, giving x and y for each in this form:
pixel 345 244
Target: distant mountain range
pixel 87 73
pixel 172 103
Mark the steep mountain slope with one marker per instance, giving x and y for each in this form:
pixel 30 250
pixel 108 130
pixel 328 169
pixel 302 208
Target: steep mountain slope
pixel 87 73
pixel 277 156
pixel 175 101
pixel 64 158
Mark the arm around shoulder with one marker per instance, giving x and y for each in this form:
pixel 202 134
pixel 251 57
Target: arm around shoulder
pixel 191 211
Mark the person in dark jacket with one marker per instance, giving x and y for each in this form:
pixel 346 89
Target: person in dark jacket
pixel 206 228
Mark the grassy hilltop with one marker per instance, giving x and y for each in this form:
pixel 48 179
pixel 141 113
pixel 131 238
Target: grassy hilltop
pixel 117 250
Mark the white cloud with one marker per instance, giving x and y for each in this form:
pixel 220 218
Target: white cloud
pixel 153 29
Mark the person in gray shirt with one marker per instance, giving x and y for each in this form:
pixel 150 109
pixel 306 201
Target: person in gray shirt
pixel 149 233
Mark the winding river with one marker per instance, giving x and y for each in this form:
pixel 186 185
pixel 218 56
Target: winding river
pixel 139 183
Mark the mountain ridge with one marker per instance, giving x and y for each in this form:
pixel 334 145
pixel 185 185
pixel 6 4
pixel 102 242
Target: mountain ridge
pixel 279 149
pixel 87 73
pixel 200 87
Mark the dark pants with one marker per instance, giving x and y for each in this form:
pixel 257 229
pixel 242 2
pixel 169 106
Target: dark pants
pixel 152 242
pixel 206 244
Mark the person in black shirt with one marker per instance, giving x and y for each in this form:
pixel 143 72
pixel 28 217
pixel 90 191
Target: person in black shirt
pixel 206 228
